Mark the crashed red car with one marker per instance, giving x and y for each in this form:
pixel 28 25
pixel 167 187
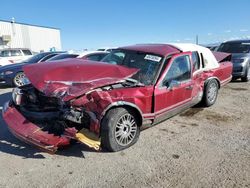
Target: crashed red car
pixel 106 104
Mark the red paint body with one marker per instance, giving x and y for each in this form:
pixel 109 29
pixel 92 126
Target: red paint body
pixel 78 82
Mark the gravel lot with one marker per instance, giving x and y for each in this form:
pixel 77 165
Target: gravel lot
pixel 198 148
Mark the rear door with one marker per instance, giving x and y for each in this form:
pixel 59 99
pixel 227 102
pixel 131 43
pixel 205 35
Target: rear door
pixel 174 89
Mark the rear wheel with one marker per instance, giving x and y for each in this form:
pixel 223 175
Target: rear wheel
pixel 120 129
pixel 210 93
pixel 18 79
pixel 246 77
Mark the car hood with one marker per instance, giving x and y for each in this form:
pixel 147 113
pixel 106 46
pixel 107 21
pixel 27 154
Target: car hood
pixel 240 55
pixel 12 66
pixel 74 77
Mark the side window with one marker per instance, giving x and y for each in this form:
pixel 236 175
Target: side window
pixel 196 61
pixel 114 58
pixel 15 53
pixel 93 57
pixel 180 70
pixel 5 53
pixel 27 52
pixel 47 57
pixel 102 56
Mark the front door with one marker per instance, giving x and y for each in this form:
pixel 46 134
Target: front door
pixel 174 89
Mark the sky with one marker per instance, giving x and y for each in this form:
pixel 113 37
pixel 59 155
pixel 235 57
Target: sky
pixel 95 23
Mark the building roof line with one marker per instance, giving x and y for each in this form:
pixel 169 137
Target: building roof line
pixel 30 24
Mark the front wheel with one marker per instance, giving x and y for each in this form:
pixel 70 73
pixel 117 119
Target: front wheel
pixel 19 79
pixel 246 77
pixel 120 129
pixel 210 93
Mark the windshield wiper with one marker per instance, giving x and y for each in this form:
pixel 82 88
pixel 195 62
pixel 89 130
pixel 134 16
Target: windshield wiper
pixel 135 82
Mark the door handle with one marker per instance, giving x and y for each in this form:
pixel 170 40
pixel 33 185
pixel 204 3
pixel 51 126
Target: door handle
pixel 190 87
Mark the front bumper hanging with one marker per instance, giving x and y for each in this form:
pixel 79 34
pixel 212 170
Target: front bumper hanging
pixel 30 133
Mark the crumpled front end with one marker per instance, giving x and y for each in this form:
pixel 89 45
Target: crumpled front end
pixel 47 122
pixel 31 133
pixel 50 122
pixel 65 101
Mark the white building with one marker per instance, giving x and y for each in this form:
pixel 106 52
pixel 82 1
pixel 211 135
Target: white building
pixel 21 35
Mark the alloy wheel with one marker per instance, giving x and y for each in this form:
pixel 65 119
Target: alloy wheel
pixel 125 130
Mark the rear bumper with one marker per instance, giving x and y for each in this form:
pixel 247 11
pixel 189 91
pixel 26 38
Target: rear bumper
pixel 30 133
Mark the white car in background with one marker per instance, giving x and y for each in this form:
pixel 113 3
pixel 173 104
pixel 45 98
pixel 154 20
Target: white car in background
pixel 93 55
pixel 106 49
pixel 14 55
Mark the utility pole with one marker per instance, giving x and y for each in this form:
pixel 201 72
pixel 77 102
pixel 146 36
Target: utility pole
pixel 197 39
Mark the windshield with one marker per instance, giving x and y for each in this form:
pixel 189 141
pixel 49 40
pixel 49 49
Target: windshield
pixel 235 47
pixel 148 64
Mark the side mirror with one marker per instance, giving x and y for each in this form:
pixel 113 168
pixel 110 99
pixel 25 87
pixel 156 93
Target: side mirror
pixel 173 83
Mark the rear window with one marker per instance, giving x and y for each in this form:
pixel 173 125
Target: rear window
pixel 235 47
pixel 27 52
pixel 196 61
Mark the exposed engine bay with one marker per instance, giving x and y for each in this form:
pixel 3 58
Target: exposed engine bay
pixel 50 113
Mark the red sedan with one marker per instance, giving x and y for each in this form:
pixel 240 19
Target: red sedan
pixel 107 104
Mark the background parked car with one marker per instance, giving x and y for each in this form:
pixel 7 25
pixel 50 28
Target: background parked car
pixel 93 55
pixel 212 47
pixel 4 61
pixel 14 55
pixel 62 56
pixel 240 50
pixel 13 75
pixel 106 49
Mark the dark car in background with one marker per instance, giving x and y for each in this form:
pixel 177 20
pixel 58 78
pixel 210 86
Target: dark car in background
pixel 212 47
pixel 93 55
pixel 62 56
pixel 240 50
pixel 12 75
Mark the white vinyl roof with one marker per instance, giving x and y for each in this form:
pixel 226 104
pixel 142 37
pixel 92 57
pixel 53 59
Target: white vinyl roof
pixel 209 59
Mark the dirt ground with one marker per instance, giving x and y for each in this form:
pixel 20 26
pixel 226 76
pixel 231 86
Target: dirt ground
pixel 198 148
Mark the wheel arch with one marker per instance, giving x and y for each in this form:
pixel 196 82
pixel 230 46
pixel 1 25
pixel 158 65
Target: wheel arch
pixel 212 78
pixel 127 105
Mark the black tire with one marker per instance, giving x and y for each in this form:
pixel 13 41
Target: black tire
pixel 245 78
pixel 15 82
pixel 207 99
pixel 234 79
pixel 110 127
